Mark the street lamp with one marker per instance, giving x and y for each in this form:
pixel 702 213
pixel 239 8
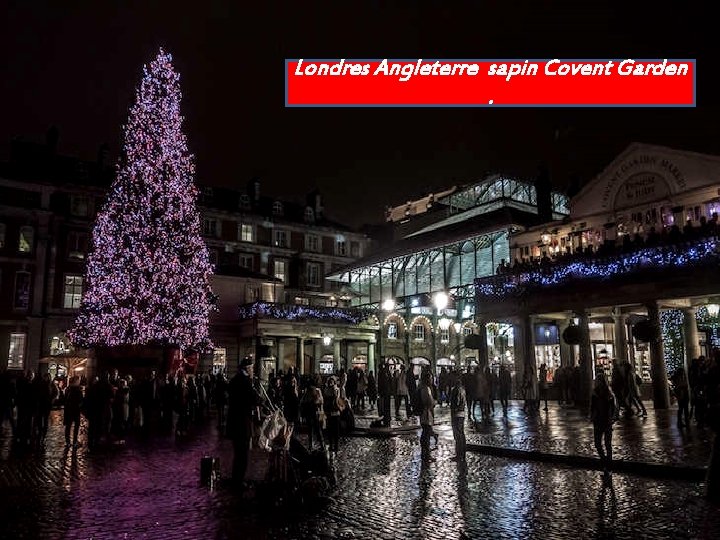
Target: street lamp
pixel 440 300
pixel 388 304
pixel 327 340
pixel 444 323
pixel 457 326
pixel 713 310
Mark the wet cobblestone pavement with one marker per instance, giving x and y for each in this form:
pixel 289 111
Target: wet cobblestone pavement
pixel 150 489
pixel 561 430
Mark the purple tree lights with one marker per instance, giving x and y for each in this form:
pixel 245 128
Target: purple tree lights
pixel 148 273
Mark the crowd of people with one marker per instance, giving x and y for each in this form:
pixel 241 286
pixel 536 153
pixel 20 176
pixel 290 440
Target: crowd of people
pixel 113 405
pixel 626 243
pixel 324 406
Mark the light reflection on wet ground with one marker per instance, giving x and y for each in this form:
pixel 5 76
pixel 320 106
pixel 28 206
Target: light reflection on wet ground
pixel 151 490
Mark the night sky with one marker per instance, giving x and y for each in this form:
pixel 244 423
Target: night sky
pixel 76 64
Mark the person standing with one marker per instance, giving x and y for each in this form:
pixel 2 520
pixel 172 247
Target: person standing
pixel 603 412
pixel 682 394
pixel 332 410
pixel 427 415
pixel 543 386
pixel 313 412
pixel 45 394
pixel 71 414
pixel 401 390
pixel 243 401
pixel 505 387
pixel 411 384
pixel 372 390
pixel 458 403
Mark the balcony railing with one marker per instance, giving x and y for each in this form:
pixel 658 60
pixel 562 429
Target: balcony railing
pixel 292 312
pixel 643 261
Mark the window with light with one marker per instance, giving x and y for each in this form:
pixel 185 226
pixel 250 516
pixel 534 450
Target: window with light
pixel 25 240
pixel 16 351
pixel 281 239
pixel 392 330
pixel 247 232
pixel 280 272
pixel 72 291
pixel 419 332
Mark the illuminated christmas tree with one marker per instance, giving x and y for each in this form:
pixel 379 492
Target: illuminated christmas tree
pixel 148 273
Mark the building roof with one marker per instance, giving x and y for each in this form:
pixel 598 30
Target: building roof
pixel 455 232
pixel 239 271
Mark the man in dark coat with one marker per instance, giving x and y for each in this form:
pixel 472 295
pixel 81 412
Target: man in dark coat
pixel 243 401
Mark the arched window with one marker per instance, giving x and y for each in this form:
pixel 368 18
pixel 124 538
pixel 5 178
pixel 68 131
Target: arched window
pixel 277 208
pixel 309 215
pixel 244 202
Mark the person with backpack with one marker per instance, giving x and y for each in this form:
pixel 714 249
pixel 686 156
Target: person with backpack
pixel 603 413
pixel 333 408
pixel 458 403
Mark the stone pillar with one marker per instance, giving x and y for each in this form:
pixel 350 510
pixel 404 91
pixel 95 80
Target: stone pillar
pixel 336 355
pixel 567 352
pixel 300 355
pixel 371 356
pixel 658 371
pixel 519 357
pixel 620 334
pixel 585 362
pixel 690 336
pixel 483 350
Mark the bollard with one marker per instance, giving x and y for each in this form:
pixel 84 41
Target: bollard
pixel 209 471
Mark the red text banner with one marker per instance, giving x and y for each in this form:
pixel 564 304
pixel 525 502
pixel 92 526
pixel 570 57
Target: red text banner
pixel 490 83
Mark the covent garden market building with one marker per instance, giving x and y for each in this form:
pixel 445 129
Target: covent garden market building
pixel 628 270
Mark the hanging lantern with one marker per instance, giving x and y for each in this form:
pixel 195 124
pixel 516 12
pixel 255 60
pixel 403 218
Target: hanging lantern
pixel 572 335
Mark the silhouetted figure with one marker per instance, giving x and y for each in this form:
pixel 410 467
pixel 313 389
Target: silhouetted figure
pixel 243 401
pixel 603 412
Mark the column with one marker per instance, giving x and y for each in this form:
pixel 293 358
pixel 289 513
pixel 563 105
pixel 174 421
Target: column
pixel 620 334
pixel 567 352
pixel 690 336
pixel 300 355
pixel 371 356
pixel 658 371
pixel 317 353
pixel 585 361
pixel 483 350
pixel 336 355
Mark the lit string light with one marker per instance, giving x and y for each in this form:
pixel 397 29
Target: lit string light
pixel 648 258
pixel 148 273
pixel 671 323
pixel 266 310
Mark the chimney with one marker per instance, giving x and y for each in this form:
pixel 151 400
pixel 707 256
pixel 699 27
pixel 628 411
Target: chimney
pixel 315 201
pixel 543 192
pixel 253 189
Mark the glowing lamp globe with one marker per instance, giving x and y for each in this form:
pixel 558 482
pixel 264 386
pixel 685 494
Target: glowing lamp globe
pixel 441 300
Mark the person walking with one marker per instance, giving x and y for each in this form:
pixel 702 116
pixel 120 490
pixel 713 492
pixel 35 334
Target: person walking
pixel 71 413
pixel 243 401
pixel 427 415
pixel 603 413
pixel 458 404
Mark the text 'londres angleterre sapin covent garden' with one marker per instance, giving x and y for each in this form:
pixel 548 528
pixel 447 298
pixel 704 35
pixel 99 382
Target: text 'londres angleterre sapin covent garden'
pixel 518 82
